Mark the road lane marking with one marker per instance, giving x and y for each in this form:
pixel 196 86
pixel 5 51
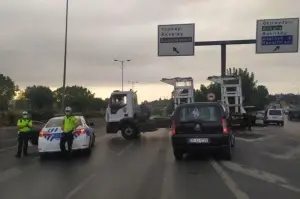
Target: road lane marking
pixel 233 187
pixel 9 174
pixel 255 139
pixel 288 155
pixel 261 175
pixel 80 186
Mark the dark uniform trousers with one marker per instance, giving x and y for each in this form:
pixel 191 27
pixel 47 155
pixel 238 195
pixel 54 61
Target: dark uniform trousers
pixel 23 138
pixel 66 137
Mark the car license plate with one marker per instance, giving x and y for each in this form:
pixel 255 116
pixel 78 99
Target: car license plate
pixel 198 140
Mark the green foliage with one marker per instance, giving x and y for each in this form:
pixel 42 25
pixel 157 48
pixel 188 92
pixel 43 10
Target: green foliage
pixel 40 97
pixel 7 91
pixel 78 97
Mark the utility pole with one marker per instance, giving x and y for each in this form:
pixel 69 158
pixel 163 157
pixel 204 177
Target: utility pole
pixel 132 84
pixel 122 68
pixel 63 100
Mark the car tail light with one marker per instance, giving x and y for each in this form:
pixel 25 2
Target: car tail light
pixel 44 134
pixel 224 126
pixel 173 127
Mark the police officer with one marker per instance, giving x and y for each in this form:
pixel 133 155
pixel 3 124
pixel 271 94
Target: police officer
pixel 70 123
pixel 24 129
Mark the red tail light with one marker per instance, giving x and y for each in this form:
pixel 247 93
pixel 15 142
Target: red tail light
pixel 44 134
pixel 224 125
pixel 173 127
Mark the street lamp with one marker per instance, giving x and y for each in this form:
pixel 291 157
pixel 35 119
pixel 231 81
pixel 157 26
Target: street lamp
pixel 122 67
pixel 65 59
pixel 132 84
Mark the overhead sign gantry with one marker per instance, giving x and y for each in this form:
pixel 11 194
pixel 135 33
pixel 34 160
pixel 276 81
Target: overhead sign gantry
pixel 272 36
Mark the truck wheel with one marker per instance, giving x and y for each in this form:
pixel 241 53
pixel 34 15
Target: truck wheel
pixel 129 131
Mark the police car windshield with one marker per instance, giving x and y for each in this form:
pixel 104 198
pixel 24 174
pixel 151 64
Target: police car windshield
pixel 204 113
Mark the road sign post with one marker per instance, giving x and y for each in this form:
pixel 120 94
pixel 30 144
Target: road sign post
pixel 277 35
pixel 176 40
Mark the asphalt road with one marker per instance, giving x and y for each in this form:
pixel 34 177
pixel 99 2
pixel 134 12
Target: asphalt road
pixel 118 169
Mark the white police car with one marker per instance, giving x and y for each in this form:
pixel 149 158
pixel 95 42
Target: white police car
pixel 49 137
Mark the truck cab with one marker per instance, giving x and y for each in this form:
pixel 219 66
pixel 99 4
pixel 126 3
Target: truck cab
pixel 122 104
pixel 124 114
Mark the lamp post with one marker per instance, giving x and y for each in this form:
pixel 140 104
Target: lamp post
pixel 122 68
pixel 132 84
pixel 65 59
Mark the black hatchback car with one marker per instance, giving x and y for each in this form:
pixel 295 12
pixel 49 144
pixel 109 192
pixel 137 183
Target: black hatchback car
pixel 199 126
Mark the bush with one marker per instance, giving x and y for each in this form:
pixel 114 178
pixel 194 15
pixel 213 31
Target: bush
pixel 9 118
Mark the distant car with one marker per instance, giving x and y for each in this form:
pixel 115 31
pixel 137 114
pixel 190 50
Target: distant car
pixel 50 135
pixel 275 116
pixel 199 126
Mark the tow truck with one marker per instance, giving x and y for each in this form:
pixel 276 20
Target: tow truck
pixel 232 98
pixel 183 89
pixel 126 115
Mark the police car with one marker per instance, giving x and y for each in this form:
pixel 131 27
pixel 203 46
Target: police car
pixel 49 137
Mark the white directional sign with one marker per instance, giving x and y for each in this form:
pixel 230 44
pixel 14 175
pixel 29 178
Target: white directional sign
pixel 277 35
pixel 176 40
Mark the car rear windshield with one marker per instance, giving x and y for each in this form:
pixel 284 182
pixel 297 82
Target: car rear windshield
pixel 274 112
pixel 204 113
pixel 54 122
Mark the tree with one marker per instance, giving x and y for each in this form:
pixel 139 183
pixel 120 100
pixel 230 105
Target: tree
pixel 40 97
pixel 260 97
pixel 98 104
pixel 78 97
pixel 248 83
pixel 7 91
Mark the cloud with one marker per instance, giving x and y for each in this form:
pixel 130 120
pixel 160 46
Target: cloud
pixel 32 40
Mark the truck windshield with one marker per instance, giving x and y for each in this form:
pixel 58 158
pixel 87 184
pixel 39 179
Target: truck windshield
pixel 118 99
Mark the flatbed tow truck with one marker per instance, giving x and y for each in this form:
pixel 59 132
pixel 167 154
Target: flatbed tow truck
pixel 232 98
pixel 124 114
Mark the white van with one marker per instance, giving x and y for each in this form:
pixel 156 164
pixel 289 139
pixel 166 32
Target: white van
pixel 275 115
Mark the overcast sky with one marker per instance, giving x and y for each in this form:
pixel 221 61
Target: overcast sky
pixel 32 42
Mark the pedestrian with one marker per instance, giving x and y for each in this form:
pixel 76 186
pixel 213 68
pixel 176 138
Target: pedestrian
pixel 24 125
pixel 70 123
